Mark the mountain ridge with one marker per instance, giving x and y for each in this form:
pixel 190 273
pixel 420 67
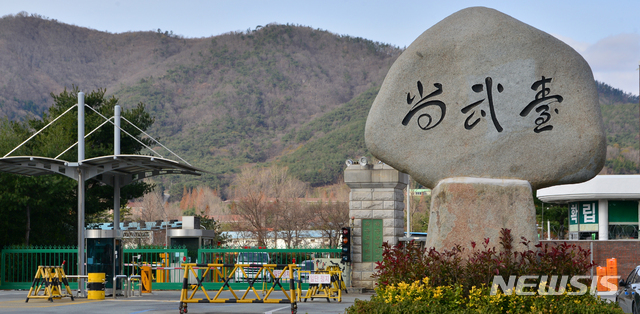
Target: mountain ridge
pixel 283 94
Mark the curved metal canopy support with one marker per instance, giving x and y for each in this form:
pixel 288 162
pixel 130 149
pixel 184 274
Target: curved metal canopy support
pixel 128 167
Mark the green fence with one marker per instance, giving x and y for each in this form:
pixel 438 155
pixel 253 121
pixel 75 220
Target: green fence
pixel 19 264
pixel 276 256
pixel 157 257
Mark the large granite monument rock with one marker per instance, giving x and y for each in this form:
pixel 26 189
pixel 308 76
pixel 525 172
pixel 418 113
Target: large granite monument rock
pixel 482 95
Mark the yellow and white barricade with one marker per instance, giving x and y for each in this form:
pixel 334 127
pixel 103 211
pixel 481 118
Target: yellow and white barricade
pixel 325 284
pixel 50 281
pixel 264 273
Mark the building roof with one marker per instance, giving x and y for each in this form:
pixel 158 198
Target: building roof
pixel 131 167
pixel 302 233
pixel 610 187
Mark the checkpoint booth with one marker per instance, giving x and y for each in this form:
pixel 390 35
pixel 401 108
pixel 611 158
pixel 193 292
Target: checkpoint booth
pixel 191 236
pixel 104 255
pixel 603 208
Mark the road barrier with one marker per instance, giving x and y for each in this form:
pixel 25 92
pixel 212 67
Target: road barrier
pixel 50 281
pixel 145 281
pixel 19 263
pixel 325 284
pixel 266 273
pixel 96 286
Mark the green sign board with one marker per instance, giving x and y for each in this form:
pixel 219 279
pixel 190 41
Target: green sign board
pixel 583 213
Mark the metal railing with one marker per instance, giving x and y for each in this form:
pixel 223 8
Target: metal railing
pixel 19 264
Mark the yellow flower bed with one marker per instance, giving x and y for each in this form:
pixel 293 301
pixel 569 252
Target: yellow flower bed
pixel 420 297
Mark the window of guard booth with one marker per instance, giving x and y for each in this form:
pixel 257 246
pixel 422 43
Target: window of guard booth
pixel 192 245
pixel 625 231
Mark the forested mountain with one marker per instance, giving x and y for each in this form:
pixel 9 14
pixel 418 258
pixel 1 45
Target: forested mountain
pixel 219 102
pixel 622 125
pixel 610 95
pixel 282 94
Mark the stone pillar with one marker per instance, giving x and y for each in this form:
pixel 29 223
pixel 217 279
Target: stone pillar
pixel 603 220
pixel 376 193
pixel 473 209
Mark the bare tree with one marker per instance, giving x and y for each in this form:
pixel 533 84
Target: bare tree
pixel 202 201
pixel 295 218
pixel 251 204
pixel 330 217
pixel 265 199
pixel 152 207
pixel 290 217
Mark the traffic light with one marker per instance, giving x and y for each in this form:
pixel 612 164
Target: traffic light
pixel 346 244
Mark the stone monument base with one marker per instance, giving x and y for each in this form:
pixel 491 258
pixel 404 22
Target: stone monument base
pixel 467 209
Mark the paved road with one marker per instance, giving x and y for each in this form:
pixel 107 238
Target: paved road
pixel 12 301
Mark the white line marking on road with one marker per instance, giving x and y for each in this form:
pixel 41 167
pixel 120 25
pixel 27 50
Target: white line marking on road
pixel 282 308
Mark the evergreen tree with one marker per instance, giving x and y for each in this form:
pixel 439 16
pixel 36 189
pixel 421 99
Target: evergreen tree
pixel 43 210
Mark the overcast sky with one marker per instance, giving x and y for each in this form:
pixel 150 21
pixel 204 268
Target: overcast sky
pixel 606 33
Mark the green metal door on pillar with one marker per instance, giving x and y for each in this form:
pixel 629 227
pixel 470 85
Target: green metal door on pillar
pixel 371 240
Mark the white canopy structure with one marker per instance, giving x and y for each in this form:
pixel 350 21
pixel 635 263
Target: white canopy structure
pixel 116 170
pixel 606 205
pixel 614 187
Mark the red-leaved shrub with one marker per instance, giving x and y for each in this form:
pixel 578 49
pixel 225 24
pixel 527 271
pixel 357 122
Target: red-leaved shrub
pixel 451 267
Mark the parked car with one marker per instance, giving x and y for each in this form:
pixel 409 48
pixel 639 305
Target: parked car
pixel 260 258
pixel 628 296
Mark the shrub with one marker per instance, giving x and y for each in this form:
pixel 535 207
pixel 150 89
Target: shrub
pixel 452 267
pixel 421 297
pixel 412 280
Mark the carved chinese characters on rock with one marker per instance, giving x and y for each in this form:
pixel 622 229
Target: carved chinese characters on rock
pixel 478 110
pixel 479 88
pixel 481 95
pixel 425 120
pixel 542 103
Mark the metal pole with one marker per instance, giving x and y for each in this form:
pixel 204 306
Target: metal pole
pixel 542 223
pixel 591 256
pixel 81 270
pixel 569 221
pixel 116 130
pixel 80 126
pixel 409 208
pixel 116 204
pixel 116 183
pixel 116 223
pixel 116 178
